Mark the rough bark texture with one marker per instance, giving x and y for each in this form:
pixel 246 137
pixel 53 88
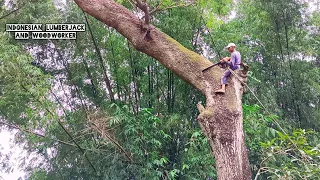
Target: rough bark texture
pixel 221 118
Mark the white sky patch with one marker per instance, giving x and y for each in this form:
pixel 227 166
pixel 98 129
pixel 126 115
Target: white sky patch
pixel 6 146
pixel 233 13
pixel 314 5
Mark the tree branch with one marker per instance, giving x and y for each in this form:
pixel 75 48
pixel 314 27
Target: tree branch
pixel 4 16
pixel 40 135
pixel 107 136
pixel 158 8
pixel 145 8
pixel 183 62
pixel 102 65
pixel 221 119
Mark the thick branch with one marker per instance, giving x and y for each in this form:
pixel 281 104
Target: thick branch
pixel 40 135
pixel 221 119
pixel 183 62
pixel 144 7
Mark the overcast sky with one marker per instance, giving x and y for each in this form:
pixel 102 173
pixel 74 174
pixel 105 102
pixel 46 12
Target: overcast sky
pixel 7 145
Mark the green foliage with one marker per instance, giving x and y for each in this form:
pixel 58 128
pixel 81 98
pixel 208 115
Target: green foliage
pixel 198 164
pixel 38 175
pixel 153 143
pixel 21 83
pixel 153 118
pixel 276 154
pixel 293 156
pixel 315 20
pixel 184 20
pixel 219 7
pixel 258 128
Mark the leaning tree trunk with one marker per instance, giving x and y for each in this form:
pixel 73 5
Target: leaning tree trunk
pixel 221 118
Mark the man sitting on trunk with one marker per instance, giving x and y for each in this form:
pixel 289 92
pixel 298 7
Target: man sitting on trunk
pixel 234 62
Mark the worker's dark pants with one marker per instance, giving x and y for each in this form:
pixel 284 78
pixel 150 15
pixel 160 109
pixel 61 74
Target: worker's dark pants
pixel 224 78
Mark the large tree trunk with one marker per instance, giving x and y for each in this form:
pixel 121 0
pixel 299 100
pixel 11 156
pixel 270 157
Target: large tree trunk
pixel 221 118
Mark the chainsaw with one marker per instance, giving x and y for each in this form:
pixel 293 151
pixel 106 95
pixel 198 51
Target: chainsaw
pixel 220 64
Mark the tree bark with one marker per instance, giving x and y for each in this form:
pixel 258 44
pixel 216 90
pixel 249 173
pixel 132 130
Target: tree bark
pixel 221 118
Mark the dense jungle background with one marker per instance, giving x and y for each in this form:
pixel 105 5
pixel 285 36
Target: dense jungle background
pixel 95 108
